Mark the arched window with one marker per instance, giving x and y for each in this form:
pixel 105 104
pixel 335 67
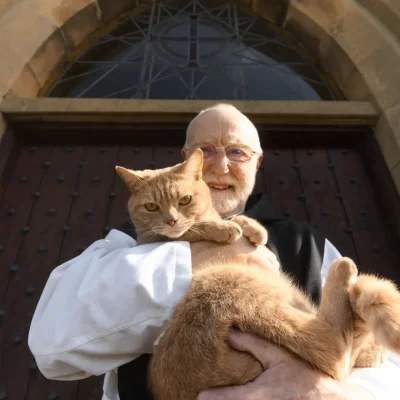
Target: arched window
pixel 194 50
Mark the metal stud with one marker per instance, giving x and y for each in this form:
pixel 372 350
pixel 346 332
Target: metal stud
pixel 353 180
pixel 66 229
pixel 102 150
pixel 69 149
pixel 339 195
pixel 89 211
pixel 325 213
pixel 33 149
pixel 33 366
pixel 2 314
pixel 83 163
pixel 331 166
pixel 60 179
pixel 17 339
pixel 296 166
pixel 3 396
pixel 310 152
pixel 375 248
pixel 282 181
pixel 11 212
pixel 317 181
pixel 363 213
pixel 53 396
pixel 112 195
pixel 276 152
pixel 42 249
pixel 14 269
pixel 36 195
pixel 96 179
pixel 302 197
pixel 30 290
pixel 288 213
pixel 51 211
pixel 136 150
pixel 107 229
pixel 26 229
pixel 46 164
pixel 75 195
pixel 22 179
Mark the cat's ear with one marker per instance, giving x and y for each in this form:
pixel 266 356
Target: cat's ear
pixel 128 176
pixel 194 165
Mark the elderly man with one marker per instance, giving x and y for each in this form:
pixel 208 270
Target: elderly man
pixel 103 311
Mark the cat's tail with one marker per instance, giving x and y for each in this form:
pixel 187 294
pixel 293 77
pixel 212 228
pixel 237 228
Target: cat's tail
pixel 377 303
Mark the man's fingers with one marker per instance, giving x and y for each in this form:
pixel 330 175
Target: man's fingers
pixel 264 351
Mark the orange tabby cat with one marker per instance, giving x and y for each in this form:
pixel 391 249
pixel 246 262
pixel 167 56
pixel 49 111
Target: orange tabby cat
pixel 357 316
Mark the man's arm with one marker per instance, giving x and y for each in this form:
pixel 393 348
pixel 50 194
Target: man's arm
pixel 107 306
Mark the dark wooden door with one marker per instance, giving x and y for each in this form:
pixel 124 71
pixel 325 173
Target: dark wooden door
pixel 60 198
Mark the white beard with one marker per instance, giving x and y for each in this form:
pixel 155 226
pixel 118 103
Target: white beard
pixel 228 202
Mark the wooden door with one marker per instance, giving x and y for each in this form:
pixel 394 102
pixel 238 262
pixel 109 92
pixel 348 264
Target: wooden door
pixel 58 198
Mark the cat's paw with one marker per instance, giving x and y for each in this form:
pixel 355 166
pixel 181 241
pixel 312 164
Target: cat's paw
pixel 343 271
pixel 252 230
pixel 229 232
pixel 377 302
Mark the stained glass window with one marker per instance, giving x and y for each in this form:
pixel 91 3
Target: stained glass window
pixel 196 49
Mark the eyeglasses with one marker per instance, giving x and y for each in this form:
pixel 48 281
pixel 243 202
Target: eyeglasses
pixel 238 153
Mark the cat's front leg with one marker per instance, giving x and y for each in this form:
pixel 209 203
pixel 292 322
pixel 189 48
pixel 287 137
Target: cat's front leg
pixel 217 231
pixel 252 229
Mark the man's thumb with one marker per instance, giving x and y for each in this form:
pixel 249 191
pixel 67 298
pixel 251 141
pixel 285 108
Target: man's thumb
pixel 268 353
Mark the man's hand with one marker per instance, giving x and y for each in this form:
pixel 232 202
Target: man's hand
pixel 286 377
pixel 205 253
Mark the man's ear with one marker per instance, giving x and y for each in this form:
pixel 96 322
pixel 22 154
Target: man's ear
pixel 194 165
pixel 259 161
pixel 128 176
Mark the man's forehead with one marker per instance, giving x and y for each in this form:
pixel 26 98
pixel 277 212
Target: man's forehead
pixel 221 132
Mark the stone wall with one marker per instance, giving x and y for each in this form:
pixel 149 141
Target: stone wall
pixel 357 41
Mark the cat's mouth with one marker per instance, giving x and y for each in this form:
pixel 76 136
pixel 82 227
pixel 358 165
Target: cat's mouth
pixel 219 187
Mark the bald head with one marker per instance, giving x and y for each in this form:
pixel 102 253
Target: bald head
pixel 222 123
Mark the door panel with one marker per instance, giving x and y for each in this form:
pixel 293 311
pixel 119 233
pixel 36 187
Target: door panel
pixel 60 199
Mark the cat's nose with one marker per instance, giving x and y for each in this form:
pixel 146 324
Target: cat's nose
pixel 171 222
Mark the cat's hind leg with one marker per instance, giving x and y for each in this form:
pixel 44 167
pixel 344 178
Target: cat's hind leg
pixel 377 303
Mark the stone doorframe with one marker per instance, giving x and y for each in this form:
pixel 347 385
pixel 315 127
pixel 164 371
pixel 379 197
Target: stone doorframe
pixel 356 41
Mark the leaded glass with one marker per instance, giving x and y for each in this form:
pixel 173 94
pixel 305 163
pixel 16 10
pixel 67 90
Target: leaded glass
pixel 193 50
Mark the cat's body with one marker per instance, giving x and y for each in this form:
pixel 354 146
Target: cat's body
pixel 357 317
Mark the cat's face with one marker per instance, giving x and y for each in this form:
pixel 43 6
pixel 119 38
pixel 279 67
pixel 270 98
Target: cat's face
pixel 167 201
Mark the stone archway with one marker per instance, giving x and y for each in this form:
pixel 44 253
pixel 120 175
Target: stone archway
pixel 357 41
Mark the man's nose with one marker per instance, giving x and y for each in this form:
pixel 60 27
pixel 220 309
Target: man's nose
pixel 171 221
pixel 220 164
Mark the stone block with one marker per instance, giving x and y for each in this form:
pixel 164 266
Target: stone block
pixel 111 9
pixel 381 70
pixel 26 84
pixel 52 52
pixel 81 25
pixel 271 10
pixel 387 133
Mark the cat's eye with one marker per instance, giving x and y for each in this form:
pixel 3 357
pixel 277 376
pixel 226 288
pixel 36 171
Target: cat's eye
pixel 151 206
pixel 184 201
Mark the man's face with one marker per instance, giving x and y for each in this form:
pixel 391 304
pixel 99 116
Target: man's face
pixel 231 183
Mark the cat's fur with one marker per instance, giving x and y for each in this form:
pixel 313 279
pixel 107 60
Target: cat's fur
pixel 358 315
